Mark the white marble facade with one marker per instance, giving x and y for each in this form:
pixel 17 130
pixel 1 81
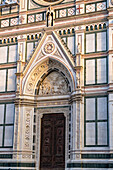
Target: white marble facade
pixel 56 57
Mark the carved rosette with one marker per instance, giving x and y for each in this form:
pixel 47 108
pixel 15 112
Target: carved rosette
pixel 49 47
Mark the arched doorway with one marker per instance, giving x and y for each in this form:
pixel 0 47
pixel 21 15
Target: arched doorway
pixel 53 122
pixel 51 83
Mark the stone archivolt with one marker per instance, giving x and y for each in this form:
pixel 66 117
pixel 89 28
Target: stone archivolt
pixel 41 70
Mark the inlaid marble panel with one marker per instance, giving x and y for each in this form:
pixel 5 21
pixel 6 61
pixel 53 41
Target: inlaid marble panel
pixel 9 113
pixel 11 84
pixel 90 109
pixel 101 70
pixel 90 71
pixel 102 108
pixel 90 43
pixel 2 80
pixel 8 139
pixel 101 41
pixel 12 53
pixel 90 134
pixel 3 54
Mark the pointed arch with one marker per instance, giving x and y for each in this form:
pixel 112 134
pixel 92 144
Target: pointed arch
pixel 43 68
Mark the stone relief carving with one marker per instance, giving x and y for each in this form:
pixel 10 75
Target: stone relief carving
pixel 27 130
pixel 49 48
pixel 34 75
pixel 54 83
pixel 50 16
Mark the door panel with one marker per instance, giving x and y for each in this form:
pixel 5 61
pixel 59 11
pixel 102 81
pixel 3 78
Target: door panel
pixel 52 142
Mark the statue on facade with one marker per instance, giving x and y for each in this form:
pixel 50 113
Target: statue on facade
pixel 50 17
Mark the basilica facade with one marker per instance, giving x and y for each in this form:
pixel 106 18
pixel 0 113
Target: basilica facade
pixel 56 84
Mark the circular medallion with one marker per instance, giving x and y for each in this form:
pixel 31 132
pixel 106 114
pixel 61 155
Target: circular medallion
pixel 49 48
pixel 47 2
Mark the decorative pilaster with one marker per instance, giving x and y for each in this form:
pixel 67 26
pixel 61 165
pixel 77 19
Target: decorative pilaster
pixel 76 100
pixel 22 12
pixel 20 61
pixel 23 5
pixel 23 137
pixel 78 69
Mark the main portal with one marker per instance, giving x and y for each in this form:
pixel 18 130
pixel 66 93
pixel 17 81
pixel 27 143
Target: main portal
pixel 52 155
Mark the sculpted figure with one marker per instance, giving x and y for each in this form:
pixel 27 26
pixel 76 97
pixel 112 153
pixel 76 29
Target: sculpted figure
pixel 50 17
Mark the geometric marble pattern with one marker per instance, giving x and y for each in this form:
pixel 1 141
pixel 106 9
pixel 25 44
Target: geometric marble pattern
pixel 62 13
pixel 14 21
pixel 31 18
pixel 80 9
pixel 5 23
pixel 101 6
pixel 71 11
pixel 39 17
pixel 90 8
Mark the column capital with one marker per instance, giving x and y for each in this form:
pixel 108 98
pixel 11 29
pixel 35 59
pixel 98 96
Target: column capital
pixel 75 97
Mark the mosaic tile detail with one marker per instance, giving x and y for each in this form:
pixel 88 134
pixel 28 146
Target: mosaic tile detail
pixel 31 18
pixel 71 11
pixel 80 9
pixel 14 21
pixel 90 8
pixel 5 23
pixel 38 17
pixel 62 13
pixel 101 6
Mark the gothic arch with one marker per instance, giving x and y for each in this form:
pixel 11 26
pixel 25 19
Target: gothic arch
pixel 41 70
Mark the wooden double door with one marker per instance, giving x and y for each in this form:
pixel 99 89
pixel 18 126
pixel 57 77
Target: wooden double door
pixel 52 155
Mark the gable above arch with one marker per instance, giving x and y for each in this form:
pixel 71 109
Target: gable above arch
pixel 50 46
pixel 49 54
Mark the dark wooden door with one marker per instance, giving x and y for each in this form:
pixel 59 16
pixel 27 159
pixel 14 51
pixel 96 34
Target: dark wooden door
pixel 52 155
